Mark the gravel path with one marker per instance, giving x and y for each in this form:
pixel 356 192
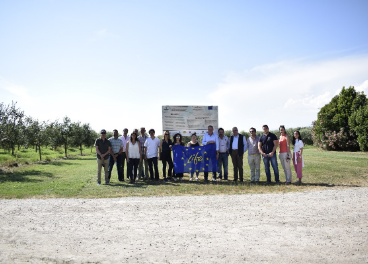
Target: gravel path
pixel 309 227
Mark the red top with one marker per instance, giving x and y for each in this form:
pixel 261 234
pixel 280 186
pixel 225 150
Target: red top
pixel 283 144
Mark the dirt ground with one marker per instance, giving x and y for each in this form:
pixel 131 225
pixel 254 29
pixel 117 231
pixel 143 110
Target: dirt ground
pixel 328 226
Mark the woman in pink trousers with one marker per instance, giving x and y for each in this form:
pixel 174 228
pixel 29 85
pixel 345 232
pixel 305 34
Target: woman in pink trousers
pixel 298 160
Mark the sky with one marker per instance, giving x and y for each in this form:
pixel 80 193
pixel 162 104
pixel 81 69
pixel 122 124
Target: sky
pixel 114 64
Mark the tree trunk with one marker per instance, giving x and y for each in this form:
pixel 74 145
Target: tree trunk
pixel 18 147
pixel 12 149
pixel 66 150
pixel 36 148
pixel 81 149
pixel 39 151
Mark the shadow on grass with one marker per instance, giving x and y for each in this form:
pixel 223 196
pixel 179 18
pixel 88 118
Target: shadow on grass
pixel 82 158
pixel 58 163
pixel 329 185
pixel 145 183
pixel 23 176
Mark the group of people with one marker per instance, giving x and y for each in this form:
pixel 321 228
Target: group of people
pixel 142 151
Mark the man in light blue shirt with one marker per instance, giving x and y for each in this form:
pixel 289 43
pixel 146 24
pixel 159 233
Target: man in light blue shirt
pixel 117 148
pixel 211 138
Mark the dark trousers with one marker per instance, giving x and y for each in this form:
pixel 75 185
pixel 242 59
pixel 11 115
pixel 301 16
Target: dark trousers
pixel 180 175
pixel 133 165
pixel 152 162
pixel 166 158
pixel 238 164
pixel 123 158
pixel 222 161
pixel 118 164
pixel 214 171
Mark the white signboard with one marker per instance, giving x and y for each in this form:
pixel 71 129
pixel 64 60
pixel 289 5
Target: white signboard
pixel 189 119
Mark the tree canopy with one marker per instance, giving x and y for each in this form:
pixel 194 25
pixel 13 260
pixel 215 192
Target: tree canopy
pixel 340 123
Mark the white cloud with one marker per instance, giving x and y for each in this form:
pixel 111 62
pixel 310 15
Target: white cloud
pixel 311 103
pixel 17 92
pixel 362 87
pixel 286 92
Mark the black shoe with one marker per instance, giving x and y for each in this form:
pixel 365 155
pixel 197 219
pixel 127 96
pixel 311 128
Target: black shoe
pixel 241 180
pixel 235 180
pixel 267 183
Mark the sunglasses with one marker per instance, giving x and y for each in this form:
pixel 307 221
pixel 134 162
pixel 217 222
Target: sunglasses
pixel 103 133
pixel 177 136
pixel 252 131
pixel 167 134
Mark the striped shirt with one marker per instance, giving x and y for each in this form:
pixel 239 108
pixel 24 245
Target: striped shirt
pixel 142 139
pixel 116 144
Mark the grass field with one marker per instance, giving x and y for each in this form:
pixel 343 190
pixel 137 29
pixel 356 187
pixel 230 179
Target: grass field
pixel 76 177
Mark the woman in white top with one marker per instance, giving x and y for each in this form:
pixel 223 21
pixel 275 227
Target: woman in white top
pixel 298 155
pixel 133 154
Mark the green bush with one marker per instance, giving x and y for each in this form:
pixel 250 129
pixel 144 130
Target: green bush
pixel 358 122
pixel 332 129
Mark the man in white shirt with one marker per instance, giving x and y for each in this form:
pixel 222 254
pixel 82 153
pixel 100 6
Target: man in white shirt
pixel 211 138
pixel 125 138
pixel 238 146
pixel 150 150
pixel 223 154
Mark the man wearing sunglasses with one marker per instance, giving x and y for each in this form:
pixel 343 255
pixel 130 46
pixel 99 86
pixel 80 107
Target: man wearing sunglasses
pixel 103 148
pixel 254 157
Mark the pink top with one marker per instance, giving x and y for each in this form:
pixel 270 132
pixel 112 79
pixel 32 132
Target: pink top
pixel 283 144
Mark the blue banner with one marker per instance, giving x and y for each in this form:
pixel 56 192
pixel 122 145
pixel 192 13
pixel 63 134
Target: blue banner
pixel 195 159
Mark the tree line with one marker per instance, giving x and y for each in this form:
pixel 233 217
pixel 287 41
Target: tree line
pixel 341 124
pixel 18 130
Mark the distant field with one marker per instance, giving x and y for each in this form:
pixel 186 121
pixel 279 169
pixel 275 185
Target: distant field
pixel 29 155
pixel 76 177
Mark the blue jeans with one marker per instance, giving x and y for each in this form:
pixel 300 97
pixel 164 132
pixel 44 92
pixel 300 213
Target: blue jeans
pixel 118 165
pixel 273 161
pixel 223 159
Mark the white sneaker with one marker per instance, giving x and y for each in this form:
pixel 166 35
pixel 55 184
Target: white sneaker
pixel 213 179
pixel 181 178
pixel 191 179
pixel 197 179
pixel 175 179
